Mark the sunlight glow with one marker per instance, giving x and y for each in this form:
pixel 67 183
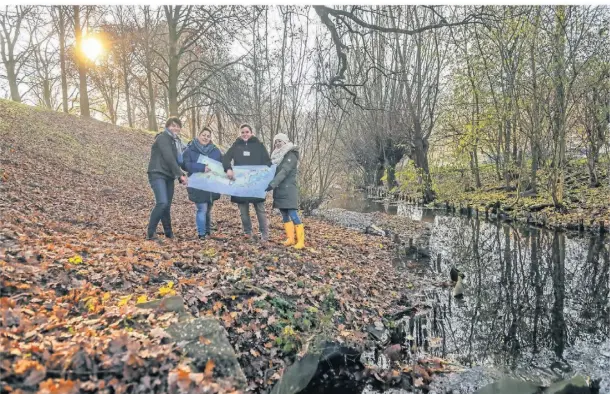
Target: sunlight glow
pixel 92 48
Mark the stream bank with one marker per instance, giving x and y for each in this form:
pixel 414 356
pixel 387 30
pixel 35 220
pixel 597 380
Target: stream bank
pixel 586 213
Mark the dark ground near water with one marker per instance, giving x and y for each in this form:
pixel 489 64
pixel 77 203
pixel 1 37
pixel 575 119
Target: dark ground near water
pixel 537 304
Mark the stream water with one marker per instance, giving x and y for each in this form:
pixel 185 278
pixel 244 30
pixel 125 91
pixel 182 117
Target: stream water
pixel 536 306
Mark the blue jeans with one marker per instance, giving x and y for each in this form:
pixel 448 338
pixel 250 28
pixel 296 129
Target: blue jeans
pixel 290 215
pixel 203 217
pixel 163 188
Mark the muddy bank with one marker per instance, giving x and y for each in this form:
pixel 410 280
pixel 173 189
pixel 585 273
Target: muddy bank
pixel 404 227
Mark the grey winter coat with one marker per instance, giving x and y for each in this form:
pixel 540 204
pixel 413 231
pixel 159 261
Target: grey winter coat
pixel 284 184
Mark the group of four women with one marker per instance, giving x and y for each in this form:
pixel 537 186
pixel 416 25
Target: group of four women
pixel 169 158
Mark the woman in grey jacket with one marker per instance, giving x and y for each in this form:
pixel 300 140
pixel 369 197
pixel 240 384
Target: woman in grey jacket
pixel 285 192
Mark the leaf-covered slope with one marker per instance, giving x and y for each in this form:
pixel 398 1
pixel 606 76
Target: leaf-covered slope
pixel 74 203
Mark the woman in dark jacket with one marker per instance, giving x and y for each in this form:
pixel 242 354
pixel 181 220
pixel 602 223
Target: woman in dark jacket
pixel 285 192
pixel 202 145
pixel 163 170
pixel 247 150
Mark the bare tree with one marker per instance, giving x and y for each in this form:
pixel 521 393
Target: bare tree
pixel 81 62
pixel 14 22
pixel 60 15
pixel 569 58
pixel 44 79
pixel 106 78
pixel 192 29
pixel 148 26
pixel 123 45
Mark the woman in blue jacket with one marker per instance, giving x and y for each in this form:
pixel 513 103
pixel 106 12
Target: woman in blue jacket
pixel 202 145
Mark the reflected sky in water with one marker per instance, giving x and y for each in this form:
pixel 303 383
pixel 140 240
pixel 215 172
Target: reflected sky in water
pixel 528 290
pixel 530 293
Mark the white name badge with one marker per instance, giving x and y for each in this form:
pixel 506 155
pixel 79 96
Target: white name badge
pixel 246 153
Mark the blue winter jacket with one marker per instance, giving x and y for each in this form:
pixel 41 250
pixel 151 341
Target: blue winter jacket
pixel 190 165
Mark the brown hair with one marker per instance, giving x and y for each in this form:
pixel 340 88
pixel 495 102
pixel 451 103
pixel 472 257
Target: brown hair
pixel 173 120
pixel 205 129
pixel 246 125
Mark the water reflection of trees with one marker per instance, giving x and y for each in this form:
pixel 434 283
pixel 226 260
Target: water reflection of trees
pixel 528 290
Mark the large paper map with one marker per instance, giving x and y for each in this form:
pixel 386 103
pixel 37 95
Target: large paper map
pixel 250 181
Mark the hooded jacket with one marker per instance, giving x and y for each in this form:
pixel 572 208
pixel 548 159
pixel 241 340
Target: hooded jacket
pixel 284 184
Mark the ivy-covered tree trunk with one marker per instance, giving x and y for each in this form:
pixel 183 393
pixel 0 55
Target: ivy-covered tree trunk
pixel 474 167
pixel 421 162
pixel 391 176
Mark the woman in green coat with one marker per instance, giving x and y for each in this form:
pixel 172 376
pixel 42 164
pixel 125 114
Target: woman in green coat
pixel 285 192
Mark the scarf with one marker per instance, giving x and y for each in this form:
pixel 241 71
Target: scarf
pixel 278 154
pixel 179 145
pixel 203 149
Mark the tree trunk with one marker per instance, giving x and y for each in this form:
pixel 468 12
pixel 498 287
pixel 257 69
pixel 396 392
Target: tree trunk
pixel 474 159
pixel 82 66
pixel 152 114
pixel 559 76
pixel 173 60
pixel 558 329
pixel 62 58
pixel 477 172
pixel 46 93
pixel 193 122
pixel 11 76
pixel 507 129
pixel 379 170
pixel 499 152
pixel 198 116
pixel 219 124
pixel 391 178
pixel 474 167
pixel 537 284
pixel 127 94
pixel 421 162
pixel 534 169
pixel 535 127
pixel 592 159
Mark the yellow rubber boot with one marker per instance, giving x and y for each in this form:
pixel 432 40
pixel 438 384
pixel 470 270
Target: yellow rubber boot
pixel 289 227
pixel 300 236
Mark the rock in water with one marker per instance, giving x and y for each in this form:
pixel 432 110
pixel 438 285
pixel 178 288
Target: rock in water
pixel 328 369
pixel 455 273
pixel 458 290
pixel 298 375
pixel 509 386
pixel 218 349
pixel 577 385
